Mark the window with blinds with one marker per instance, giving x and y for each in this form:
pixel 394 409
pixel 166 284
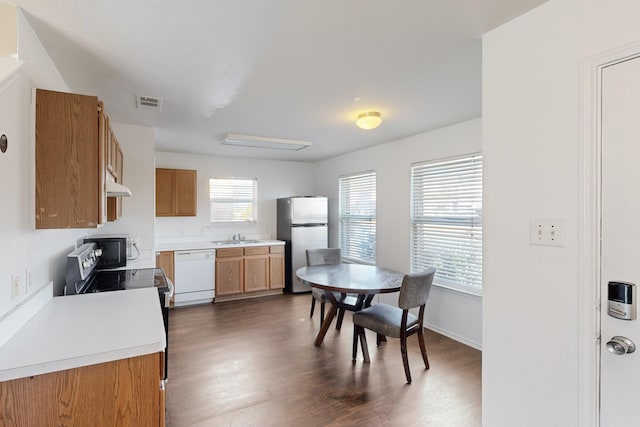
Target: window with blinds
pixel 446 220
pixel 233 199
pixel 357 217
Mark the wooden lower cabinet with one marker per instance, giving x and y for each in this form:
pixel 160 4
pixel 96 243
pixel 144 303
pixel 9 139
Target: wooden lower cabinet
pixel 229 271
pixel 276 267
pixel 249 271
pixel 256 268
pixel 126 392
pixel 165 260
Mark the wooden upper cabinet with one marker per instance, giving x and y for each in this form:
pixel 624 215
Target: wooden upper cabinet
pixel 108 141
pixel 69 161
pixel 165 192
pixel 115 159
pixel 186 182
pixel 176 192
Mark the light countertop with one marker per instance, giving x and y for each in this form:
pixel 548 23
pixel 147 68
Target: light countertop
pixel 187 244
pixel 81 330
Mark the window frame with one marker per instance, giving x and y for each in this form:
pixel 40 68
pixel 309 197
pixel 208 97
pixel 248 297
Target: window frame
pixel 345 218
pixel 252 201
pixel 454 219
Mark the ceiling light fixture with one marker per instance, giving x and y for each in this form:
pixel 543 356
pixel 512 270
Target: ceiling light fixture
pixel 369 120
pixel 264 142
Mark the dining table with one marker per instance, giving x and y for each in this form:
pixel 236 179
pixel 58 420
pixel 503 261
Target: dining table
pixel 364 280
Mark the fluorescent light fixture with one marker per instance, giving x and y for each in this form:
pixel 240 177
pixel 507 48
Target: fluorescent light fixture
pixel 264 142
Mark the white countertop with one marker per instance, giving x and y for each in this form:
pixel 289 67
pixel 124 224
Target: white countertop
pixel 187 244
pixel 81 330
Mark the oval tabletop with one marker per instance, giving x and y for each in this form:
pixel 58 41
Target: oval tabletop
pixel 351 278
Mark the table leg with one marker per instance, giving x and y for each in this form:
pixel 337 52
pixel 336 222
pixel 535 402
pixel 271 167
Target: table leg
pixel 328 319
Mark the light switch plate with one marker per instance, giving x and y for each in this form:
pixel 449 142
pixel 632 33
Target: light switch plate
pixel 546 232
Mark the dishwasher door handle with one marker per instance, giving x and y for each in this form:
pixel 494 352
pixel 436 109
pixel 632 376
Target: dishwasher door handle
pixel 193 255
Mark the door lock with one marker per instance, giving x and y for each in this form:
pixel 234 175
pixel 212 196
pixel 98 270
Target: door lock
pixel 621 345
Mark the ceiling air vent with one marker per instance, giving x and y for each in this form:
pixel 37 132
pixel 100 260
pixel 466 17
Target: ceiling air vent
pixel 148 102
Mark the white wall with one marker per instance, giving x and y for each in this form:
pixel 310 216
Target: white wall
pixel 23 250
pixel 452 313
pixel 42 254
pixel 138 212
pixel 531 133
pixel 275 179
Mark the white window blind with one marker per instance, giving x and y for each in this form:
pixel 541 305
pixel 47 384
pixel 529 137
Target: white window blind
pixel 357 217
pixel 233 199
pixel 446 220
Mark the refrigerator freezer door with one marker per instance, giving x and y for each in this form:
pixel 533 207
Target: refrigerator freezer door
pixel 308 210
pixel 303 238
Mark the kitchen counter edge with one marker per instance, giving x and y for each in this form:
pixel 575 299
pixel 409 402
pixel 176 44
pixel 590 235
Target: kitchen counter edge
pixel 49 343
pixel 201 245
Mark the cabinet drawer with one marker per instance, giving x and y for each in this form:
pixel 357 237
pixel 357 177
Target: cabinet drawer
pixel 276 249
pixel 256 250
pixel 228 252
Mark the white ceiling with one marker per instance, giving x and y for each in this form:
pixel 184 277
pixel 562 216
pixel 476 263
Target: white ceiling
pixel 276 68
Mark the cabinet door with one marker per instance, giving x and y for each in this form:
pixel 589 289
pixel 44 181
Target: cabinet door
pixel 162 398
pixel 165 261
pixel 119 393
pixel 256 273
pixel 165 192
pixel 186 197
pixel 108 135
pixel 276 267
pixel 103 128
pixel 120 180
pixel 229 275
pixel 114 204
pixel 68 182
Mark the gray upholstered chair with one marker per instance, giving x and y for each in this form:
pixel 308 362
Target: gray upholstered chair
pixel 322 256
pixel 397 322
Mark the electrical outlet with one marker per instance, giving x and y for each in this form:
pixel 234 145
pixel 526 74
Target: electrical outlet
pixel 546 232
pixel 29 279
pixel 15 286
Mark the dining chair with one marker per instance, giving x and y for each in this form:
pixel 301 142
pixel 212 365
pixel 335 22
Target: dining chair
pixel 397 322
pixel 322 256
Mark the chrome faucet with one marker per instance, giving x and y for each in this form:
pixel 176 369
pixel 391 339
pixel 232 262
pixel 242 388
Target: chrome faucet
pixel 236 237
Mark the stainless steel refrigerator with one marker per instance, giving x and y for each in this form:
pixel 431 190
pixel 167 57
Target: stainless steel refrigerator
pixel 302 224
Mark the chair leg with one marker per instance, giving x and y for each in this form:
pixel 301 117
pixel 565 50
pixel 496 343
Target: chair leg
pixel 313 306
pixel 354 353
pixel 321 313
pixel 423 348
pixel 380 339
pixel 405 359
pixel 363 344
pixel 340 318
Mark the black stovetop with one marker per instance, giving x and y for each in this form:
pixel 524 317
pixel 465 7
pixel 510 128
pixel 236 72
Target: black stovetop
pixel 120 280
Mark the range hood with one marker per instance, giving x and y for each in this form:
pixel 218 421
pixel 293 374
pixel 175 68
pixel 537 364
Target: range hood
pixel 117 190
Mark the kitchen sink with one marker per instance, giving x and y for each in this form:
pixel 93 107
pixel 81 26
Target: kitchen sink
pixel 233 242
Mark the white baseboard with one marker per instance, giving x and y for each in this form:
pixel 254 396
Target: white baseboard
pixel 455 337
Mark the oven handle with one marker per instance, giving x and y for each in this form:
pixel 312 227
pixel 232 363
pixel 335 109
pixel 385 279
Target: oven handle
pixel 168 295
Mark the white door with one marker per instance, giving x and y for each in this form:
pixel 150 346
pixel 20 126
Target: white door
pixel 620 244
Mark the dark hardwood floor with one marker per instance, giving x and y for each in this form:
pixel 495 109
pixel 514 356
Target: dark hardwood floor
pixel 253 363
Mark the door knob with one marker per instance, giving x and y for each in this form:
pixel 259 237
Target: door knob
pixel 621 345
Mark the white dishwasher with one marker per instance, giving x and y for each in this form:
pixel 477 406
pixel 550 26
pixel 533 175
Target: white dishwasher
pixel 195 275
